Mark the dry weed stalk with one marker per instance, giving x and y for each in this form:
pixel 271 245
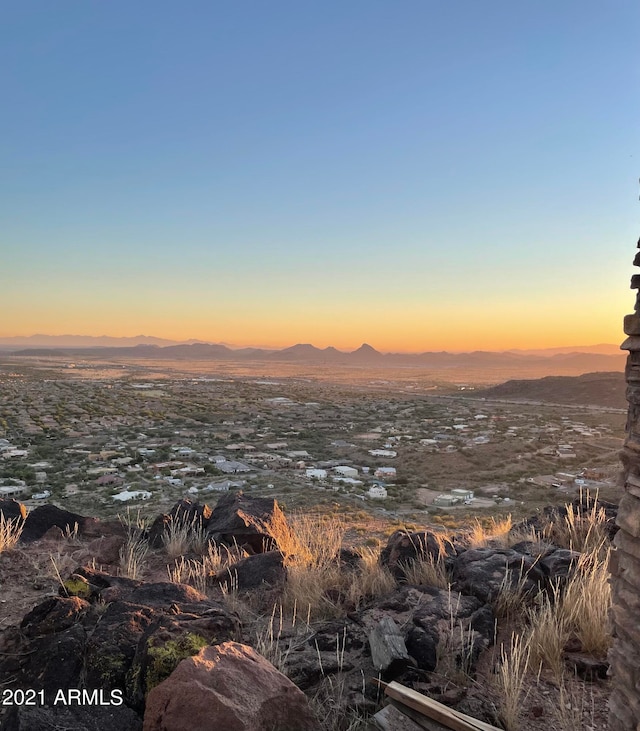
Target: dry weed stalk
pixel 10 531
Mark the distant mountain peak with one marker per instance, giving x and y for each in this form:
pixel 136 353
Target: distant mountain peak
pixel 366 349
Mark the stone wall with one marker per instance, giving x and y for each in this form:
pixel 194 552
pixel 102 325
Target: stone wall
pixel 624 656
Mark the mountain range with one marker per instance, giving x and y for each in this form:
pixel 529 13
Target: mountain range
pixel 579 360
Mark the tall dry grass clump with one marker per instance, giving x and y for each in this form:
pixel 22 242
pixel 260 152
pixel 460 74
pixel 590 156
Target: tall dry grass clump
pixel 510 680
pixel 427 571
pixel 133 555
pixel 493 531
pixel 583 527
pixel 196 572
pixel 10 531
pixel 181 536
pixel 586 601
pixel 371 580
pixel 311 546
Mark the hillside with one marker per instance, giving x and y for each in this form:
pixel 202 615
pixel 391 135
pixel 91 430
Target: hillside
pixel 594 389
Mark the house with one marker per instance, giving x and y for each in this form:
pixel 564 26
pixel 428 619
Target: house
pixel 382 453
pixel 463 494
pixel 316 474
pixel 385 473
pixel 126 495
pixel 346 471
pixel 377 492
pixel 446 501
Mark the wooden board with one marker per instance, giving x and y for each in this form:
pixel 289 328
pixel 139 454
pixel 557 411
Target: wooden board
pixel 449 718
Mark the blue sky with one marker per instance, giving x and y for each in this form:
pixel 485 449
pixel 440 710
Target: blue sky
pixel 419 175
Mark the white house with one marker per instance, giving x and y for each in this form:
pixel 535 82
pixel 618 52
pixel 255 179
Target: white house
pixel 316 474
pixel 377 492
pixel 346 471
pixel 131 495
pixel 382 452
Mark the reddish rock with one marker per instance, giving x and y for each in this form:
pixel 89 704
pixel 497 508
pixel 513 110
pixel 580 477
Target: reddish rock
pixel 227 686
pixel 244 520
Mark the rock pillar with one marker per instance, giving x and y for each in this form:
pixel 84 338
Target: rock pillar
pixel 624 656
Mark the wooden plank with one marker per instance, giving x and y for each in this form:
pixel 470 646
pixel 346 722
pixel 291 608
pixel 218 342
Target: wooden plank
pixel 391 719
pixel 447 716
pixel 425 723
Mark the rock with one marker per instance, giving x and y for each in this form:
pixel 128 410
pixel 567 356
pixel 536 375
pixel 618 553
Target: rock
pixel 227 686
pixel 12 509
pixel 388 650
pixel 118 634
pixel 559 564
pixel 40 520
pixel 423 648
pixel 106 549
pixel 586 666
pixel 245 520
pixel 71 718
pixel 403 547
pixel 482 572
pixel 254 571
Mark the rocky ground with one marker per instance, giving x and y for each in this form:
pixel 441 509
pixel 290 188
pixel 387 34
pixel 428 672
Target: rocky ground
pixel 88 607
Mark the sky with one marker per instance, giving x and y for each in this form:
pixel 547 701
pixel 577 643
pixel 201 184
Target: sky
pixel 415 174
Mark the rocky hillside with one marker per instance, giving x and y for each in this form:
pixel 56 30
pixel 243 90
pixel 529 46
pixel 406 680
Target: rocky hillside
pixel 239 617
pixel 593 389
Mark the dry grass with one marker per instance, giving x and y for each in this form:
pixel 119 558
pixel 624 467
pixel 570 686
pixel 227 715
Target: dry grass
pixel 10 531
pixel 427 571
pixel 454 652
pixel 510 680
pixel 547 634
pixel 133 555
pixel 371 580
pixel 490 531
pixel 512 594
pixel 182 537
pixel 196 572
pixel 311 548
pixel 582 528
pixel 586 601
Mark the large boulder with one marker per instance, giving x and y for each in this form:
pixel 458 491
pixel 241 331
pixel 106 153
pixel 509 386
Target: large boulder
pixel 403 548
pixel 227 686
pixel 40 520
pixel 246 521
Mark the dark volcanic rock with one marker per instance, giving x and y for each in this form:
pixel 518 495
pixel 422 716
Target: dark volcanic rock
pixel 72 718
pixel 482 571
pixel 254 571
pixel 403 548
pixel 124 636
pixel 12 509
pixel 245 520
pixel 40 520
